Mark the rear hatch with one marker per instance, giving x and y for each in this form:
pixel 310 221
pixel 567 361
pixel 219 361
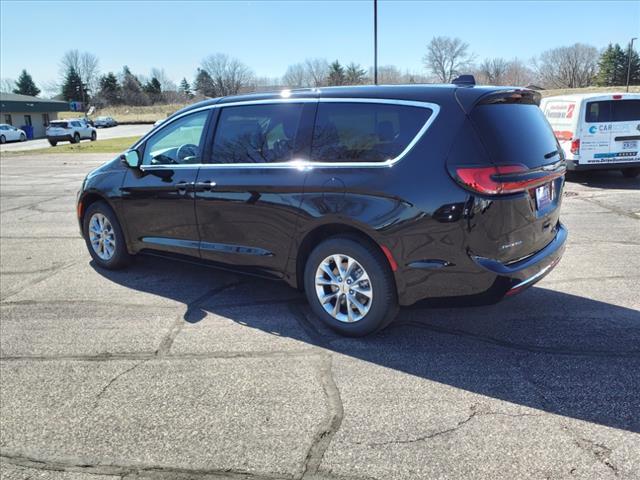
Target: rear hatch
pixel 519 186
pixel 57 128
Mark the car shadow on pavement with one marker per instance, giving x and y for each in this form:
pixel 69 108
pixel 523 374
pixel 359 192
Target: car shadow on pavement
pixel 603 179
pixel 560 353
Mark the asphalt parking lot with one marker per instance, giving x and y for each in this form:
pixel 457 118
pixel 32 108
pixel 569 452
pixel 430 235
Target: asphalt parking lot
pixel 118 131
pixel 169 370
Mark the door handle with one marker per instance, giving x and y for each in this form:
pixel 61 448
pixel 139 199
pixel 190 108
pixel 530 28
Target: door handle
pixel 205 186
pixel 182 187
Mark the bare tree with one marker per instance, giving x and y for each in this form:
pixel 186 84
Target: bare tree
pixel 447 57
pixel 7 85
pixel 388 74
pixel 492 71
pixel 296 76
pixel 85 63
pixel 229 74
pixel 317 70
pixel 568 67
pixel 313 72
pixel 518 74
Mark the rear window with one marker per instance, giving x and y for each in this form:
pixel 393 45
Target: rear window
pixel 516 134
pixel 59 124
pixel 613 111
pixel 364 132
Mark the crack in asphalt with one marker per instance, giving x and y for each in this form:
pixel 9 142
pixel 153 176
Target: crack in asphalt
pixel 474 413
pixel 112 381
pixel 76 465
pixel 167 341
pixel 323 437
pixel 518 346
pixel 598 450
pixel 151 356
pixel 37 280
pixel 619 211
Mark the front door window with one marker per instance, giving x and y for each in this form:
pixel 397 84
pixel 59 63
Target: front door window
pixel 177 143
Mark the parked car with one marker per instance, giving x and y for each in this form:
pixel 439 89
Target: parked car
pixel 366 198
pixel 102 122
pixel 597 131
pixel 9 133
pixel 70 131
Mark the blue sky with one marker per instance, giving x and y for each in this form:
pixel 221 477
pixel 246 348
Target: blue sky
pixel 269 35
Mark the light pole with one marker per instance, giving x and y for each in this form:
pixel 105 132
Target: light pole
pixel 375 42
pixel 629 65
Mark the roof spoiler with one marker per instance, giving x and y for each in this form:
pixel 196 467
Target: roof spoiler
pixel 464 80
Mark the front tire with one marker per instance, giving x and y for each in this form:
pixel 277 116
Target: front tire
pixel 94 136
pixel 104 237
pixel 2 139
pixel 53 143
pixel 23 137
pixel 630 172
pixel 350 286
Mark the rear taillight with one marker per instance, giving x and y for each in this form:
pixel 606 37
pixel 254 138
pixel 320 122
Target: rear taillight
pixel 502 180
pixel 575 146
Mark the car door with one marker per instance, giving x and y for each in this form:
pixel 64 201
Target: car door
pixel 158 197
pixel 625 131
pixel 247 197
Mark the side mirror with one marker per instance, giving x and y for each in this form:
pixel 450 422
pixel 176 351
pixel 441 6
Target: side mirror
pixel 131 158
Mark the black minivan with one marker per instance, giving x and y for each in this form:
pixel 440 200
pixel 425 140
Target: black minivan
pixel 366 197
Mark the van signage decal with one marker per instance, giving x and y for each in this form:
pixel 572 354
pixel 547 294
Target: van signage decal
pixel 608 127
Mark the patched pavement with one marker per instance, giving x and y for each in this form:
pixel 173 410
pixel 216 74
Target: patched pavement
pixel 170 370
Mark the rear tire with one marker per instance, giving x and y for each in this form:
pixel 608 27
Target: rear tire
pixel 104 238
pixel 94 136
pixel 2 139
pixel 631 172
pixel 76 138
pixel 358 314
pixel 53 143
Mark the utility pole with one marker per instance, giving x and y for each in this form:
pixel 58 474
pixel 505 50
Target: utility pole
pixel 629 65
pixel 375 42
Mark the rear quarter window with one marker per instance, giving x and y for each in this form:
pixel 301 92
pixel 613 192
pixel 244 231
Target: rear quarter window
pixel 364 132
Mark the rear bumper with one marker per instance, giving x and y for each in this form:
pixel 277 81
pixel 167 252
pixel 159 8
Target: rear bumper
pixel 59 138
pixel 525 273
pixel 573 165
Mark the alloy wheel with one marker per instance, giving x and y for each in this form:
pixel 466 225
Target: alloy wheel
pixel 343 288
pixel 102 236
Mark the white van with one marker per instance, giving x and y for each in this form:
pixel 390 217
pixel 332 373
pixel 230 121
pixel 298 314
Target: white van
pixel 596 130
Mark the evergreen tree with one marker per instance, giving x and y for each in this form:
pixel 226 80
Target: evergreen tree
pixel 354 75
pixel 25 85
pixel 634 73
pixel 336 74
pixel 73 90
pixel 110 89
pixel 132 93
pixel 185 89
pixel 612 67
pixel 204 84
pixel 154 90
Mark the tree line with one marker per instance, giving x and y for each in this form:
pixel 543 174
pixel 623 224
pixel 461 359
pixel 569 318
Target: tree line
pixel 574 66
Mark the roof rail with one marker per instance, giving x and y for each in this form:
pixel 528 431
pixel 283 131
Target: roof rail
pixel 464 80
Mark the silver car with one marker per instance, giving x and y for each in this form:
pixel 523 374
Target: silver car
pixel 104 122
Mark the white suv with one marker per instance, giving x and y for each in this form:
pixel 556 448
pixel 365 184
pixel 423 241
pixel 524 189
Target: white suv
pixel 70 131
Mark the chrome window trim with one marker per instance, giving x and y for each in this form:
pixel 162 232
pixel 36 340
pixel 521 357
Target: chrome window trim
pixel 303 164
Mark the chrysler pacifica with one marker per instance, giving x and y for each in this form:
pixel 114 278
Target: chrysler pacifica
pixel 367 198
